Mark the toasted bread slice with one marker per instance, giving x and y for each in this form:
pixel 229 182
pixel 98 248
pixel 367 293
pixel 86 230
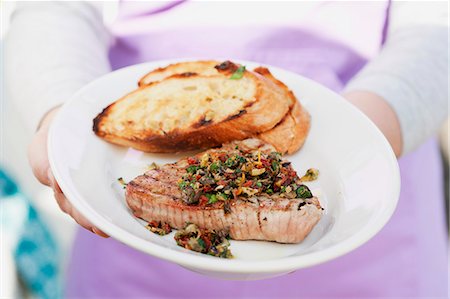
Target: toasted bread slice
pixel 201 67
pixel 290 133
pixel 287 136
pixel 190 111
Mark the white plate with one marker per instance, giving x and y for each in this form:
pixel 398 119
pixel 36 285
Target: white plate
pixel 358 186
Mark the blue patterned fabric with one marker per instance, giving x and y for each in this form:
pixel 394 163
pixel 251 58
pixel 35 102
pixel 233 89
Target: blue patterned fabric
pixel 34 250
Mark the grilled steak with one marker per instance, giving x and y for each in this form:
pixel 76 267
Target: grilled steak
pixel 243 188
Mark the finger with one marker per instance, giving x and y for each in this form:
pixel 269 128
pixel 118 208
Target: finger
pixel 67 208
pixel 81 220
pixel 99 232
pixel 62 201
pixel 53 183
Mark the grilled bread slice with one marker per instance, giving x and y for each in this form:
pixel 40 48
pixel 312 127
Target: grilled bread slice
pixel 287 136
pixel 290 133
pixel 189 111
pixel 201 67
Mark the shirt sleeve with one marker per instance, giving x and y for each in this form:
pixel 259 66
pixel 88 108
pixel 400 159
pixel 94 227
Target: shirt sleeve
pixel 410 72
pixel 52 49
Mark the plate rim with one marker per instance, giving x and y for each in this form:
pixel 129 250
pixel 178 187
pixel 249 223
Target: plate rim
pixel 208 263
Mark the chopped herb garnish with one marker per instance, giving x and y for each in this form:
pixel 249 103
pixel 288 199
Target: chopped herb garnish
pixel 221 196
pixel 201 243
pixel 229 162
pixel 214 177
pixel 310 175
pixel 192 169
pixel 153 166
pixel 158 227
pixel 275 155
pixel 204 241
pixel 212 198
pixel 214 167
pixel 275 165
pixel 241 159
pixel 239 73
pixel 303 192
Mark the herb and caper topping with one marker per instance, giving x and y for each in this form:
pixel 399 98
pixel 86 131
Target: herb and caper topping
pixel 158 227
pixel 153 166
pixel 219 177
pixel 204 241
pixel 192 237
pixel 122 182
pixel 311 175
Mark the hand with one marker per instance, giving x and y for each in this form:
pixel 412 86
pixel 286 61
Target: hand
pixel 38 158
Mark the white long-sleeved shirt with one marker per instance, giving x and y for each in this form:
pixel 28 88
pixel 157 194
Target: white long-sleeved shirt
pixel 55 48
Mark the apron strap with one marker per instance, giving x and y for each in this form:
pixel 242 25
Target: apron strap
pixel 386 23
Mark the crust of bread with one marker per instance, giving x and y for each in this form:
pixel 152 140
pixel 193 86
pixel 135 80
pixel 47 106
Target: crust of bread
pixel 289 135
pixel 201 67
pixel 265 111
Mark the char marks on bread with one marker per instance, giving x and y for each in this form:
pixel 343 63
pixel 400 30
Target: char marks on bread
pixel 195 105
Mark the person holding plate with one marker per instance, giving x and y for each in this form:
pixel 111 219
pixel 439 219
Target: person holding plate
pixel 389 59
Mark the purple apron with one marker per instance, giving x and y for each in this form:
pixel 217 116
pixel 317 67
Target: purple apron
pixel 406 259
